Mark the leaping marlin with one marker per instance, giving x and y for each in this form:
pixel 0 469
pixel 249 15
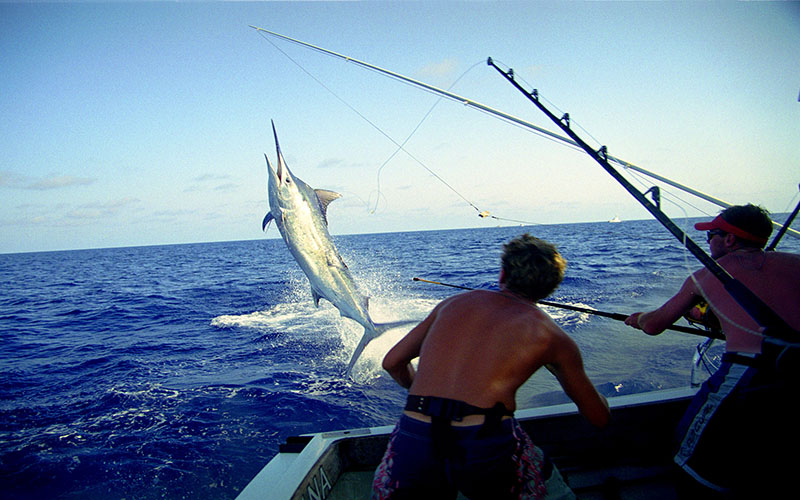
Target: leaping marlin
pixel 300 214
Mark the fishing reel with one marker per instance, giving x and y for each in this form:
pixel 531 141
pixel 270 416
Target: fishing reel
pixel 701 316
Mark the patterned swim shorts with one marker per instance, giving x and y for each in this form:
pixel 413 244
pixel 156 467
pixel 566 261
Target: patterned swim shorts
pixel 502 465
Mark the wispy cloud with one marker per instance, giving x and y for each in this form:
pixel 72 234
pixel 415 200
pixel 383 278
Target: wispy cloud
pixel 67 215
pixel 331 163
pixel 230 186
pixel 60 181
pixel 10 179
pixel 440 69
pixel 211 177
pixel 16 181
pixel 340 163
pixel 101 210
pixel 206 182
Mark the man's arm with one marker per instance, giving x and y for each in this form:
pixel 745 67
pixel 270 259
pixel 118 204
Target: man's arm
pixel 398 360
pixel 568 369
pixel 655 322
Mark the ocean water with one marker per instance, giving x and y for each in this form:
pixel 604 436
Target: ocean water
pixel 175 371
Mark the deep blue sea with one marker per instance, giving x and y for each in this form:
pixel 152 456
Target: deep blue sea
pixel 175 371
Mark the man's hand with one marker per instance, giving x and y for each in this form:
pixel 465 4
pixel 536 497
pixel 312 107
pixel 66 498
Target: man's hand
pixel 633 320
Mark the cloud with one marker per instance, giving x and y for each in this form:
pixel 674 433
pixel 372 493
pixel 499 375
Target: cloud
pixel 226 187
pixel 104 210
pixel 10 179
pixel 60 181
pixel 211 177
pixel 64 215
pixel 340 163
pixel 439 69
pixel 331 163
pixel 13 180
pixel 203 183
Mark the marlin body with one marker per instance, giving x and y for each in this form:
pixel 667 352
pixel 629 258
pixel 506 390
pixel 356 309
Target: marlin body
pixel 300 214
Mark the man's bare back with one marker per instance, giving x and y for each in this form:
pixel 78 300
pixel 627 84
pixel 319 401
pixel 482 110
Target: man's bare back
pixel 773 276
pixel 481 346
pixel 475 350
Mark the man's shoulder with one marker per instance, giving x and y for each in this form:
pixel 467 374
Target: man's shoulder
pixel 788 257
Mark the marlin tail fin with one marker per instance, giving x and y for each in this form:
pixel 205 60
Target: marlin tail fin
pixel 369 335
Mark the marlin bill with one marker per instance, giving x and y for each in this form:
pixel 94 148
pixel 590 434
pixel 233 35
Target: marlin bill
pixel 300 214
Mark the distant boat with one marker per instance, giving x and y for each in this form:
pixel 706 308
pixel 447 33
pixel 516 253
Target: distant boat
pixel 615 219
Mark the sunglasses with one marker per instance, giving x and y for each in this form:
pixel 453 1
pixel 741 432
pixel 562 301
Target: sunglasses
pixel 714 232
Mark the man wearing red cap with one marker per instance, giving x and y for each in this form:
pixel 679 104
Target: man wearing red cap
pixel 730 439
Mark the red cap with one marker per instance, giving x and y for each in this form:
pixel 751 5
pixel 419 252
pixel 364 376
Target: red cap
pixel 722 224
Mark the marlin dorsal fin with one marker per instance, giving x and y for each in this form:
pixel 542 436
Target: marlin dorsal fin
pixel 325 197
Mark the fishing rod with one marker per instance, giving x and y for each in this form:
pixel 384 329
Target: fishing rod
pixel 716 334
pixel 505 116
pixel 783 229
pixel 773 324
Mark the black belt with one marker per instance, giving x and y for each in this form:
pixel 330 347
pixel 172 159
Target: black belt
pixel 443 410
pixel 451 409
pixel 780 358
pixel 742 359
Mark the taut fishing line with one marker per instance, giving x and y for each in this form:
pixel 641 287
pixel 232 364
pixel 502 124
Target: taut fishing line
pixel 687 262
pixel 400 147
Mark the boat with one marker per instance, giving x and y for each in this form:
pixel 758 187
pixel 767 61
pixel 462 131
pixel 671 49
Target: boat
pixel 615 219
pixel 629 458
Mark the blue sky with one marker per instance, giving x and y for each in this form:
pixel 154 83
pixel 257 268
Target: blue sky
pixel 146 123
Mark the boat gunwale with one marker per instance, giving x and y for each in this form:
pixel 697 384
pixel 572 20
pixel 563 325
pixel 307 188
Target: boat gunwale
pixel 291 474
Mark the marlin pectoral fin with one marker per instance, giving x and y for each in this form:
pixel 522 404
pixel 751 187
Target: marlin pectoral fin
pixel 267 219
pixel 335 260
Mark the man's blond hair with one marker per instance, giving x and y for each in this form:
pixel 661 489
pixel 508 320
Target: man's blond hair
pixel 533 268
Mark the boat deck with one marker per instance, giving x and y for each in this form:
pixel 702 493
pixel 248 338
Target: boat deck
pixel 628 459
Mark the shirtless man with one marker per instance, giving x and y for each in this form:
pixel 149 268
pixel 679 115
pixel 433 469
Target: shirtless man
pixel 726 442
pixel 475 350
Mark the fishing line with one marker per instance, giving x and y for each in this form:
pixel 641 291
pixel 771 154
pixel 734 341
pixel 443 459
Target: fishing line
pixel 481 213
pixel 761 313
pixel 542 132
pixel 400 147
pixel 551 105
pixel 792 202
pixel 665 192
pixel 687 262
pixel 639 177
